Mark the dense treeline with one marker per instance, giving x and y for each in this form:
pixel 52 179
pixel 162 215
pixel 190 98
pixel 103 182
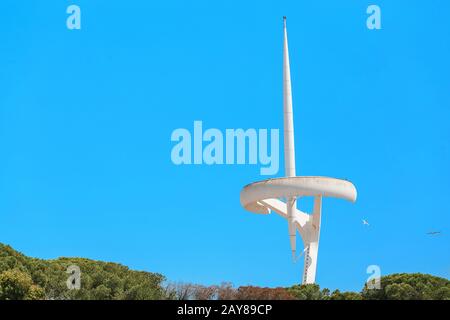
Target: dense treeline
pixel 22 277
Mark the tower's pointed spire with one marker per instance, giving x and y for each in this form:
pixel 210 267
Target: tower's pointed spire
pixel 289 150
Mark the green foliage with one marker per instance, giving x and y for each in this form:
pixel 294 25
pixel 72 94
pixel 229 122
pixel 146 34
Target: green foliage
pixel 28 278
pixel 17 285
pixel 337 295
pixel 24 278
pixel 410 286
pixel 401 286
pixel 308 292
pixel 258 293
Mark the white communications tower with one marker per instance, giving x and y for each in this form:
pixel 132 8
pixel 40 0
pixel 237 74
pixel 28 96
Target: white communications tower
pixel 280 195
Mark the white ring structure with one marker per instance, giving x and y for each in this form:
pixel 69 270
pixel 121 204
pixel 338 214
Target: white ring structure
pixel 264 196
pixel 255 194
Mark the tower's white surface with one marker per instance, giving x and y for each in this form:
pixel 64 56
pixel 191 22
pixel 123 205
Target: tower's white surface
pixel 264 197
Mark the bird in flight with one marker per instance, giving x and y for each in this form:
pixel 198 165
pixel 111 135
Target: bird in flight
pixel 433 233
pixel 365 222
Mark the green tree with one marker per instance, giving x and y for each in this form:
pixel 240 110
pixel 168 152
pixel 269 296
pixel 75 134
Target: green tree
pixel 35 293
pixel 28 278
pixel 307 292
pixel 337 295
pixel 18 285
pixel 409 286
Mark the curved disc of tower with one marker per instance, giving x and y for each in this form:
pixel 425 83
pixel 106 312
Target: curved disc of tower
pixel 263 197
pixel 253 194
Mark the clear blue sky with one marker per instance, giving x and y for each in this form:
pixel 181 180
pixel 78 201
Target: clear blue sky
pixel 86 117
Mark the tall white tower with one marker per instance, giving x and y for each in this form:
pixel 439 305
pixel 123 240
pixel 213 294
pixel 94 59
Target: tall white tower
pixel 264 196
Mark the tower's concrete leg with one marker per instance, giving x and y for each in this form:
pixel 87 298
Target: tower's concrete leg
pixel 291 205
pixel 310 266
pixel 311 242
